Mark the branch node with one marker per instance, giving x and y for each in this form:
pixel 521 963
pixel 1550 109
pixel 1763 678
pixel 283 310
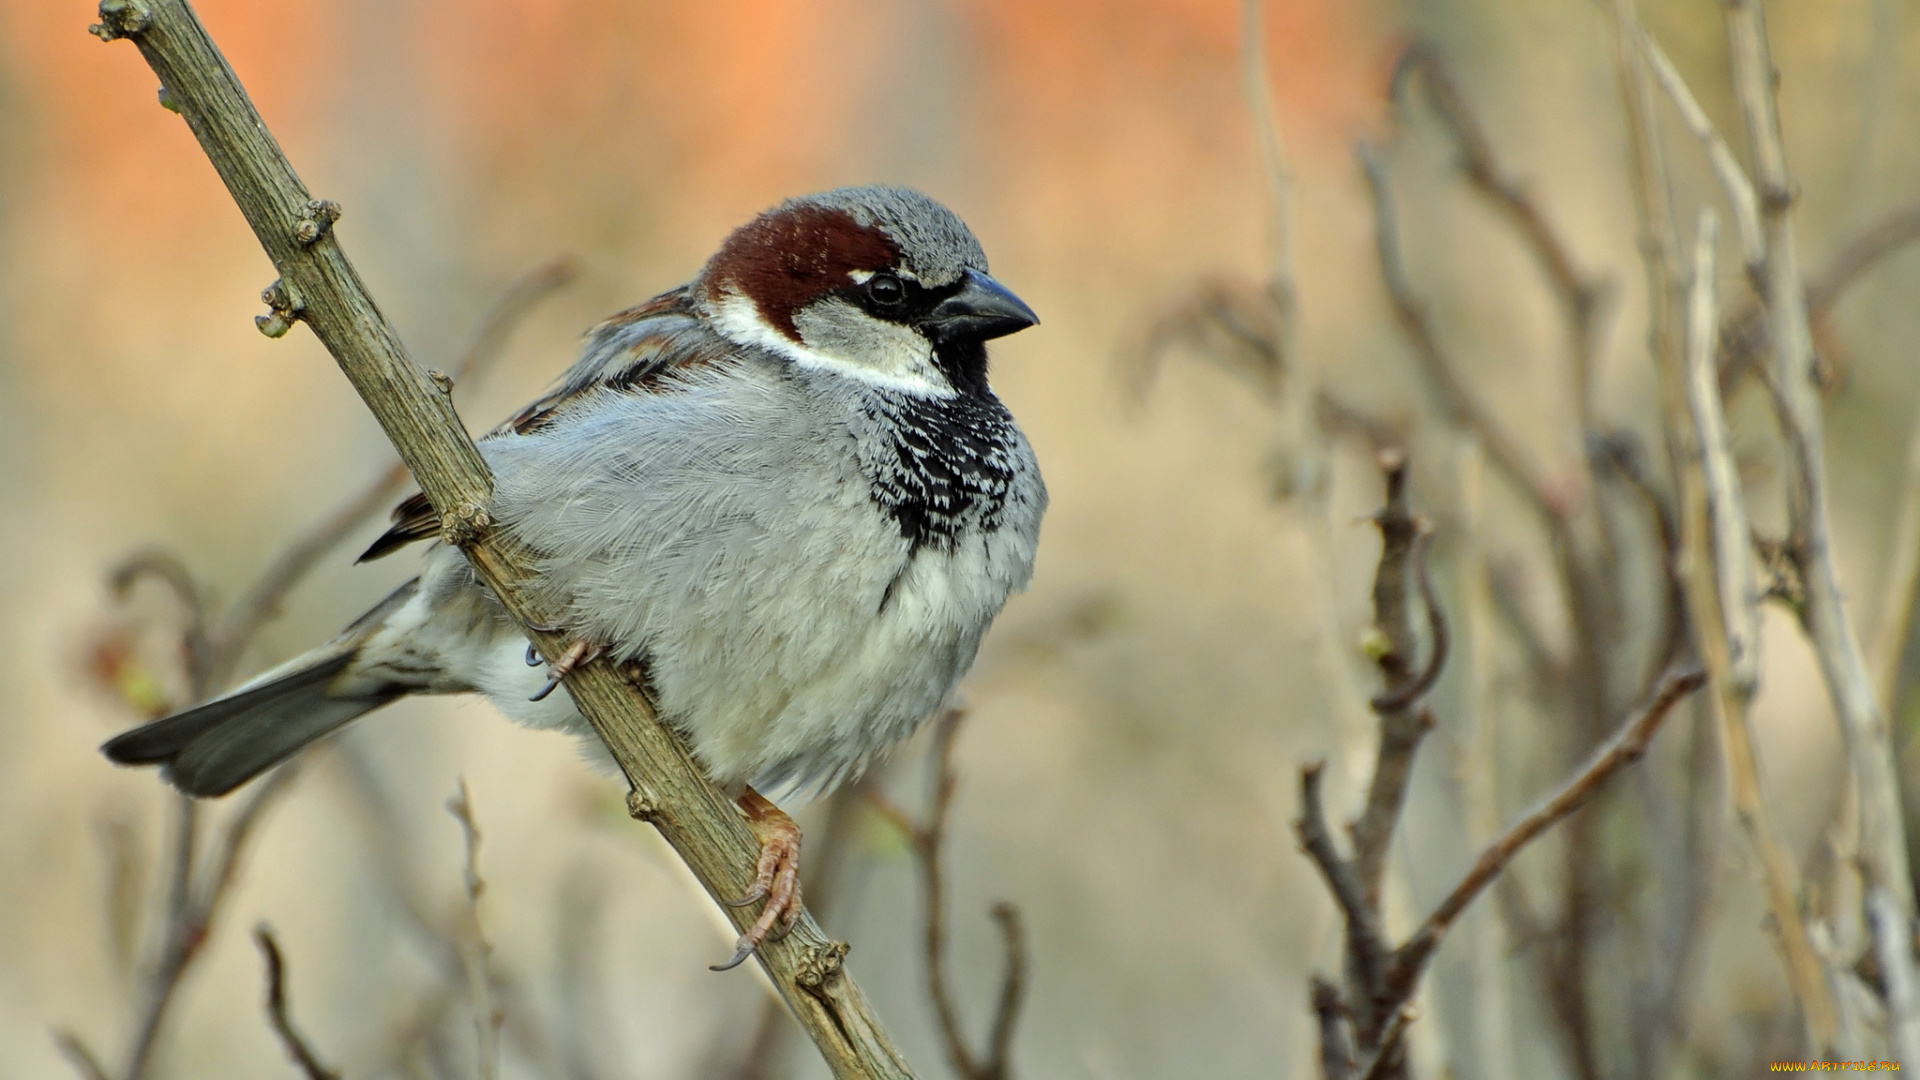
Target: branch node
pixel 820 964
pixel 442 380
pixel 167 100
pixel 465 525
pixel 120 18
pixel 640 807
pixel 316 219
pixel 285 305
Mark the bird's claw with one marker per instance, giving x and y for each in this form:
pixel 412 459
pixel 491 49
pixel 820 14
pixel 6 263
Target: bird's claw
pixel 776 879
pixel 579 653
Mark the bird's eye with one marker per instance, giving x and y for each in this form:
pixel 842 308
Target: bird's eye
pixel 885 289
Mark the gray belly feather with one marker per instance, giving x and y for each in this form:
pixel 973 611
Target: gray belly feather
pixel 726 534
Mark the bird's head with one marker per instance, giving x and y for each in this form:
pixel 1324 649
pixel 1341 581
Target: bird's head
pixel 879 283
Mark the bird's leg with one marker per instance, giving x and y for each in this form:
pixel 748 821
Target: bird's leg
pixel 776 879
pixel 578 653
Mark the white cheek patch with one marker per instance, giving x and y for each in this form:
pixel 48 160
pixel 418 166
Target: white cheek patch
pixel 893 357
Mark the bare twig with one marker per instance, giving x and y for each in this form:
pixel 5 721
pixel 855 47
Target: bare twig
pixel 1336 1051
pixel 928 839
pixel 1667 332
pixel 1366 938
pixel 1402 722
pixel 1386 1060
pixel 79 1056
pixel 1437 635
pixel 1504 452
pixel 215 643
pixel 1582 297
pixel 1726 508
pixel 1301 450
pixel 475 951
pixel 1741 197
pixel 1744 337
pixel 1902 580
pixel 196 893
pixel 1013 984
pixel 1882 845
pixel 196 634
pixel 1625 748
pixel 318 286
pixel 235 628
pixel 1477 763
pixel 277 1011
pixel 1872 244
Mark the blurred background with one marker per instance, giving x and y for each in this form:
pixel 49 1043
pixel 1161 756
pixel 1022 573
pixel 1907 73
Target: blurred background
pixel 1128 772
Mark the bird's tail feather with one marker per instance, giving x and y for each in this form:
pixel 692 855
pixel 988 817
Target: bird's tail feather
pixel 211 749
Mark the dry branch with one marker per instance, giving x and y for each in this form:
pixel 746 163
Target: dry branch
pixel 1882 843
pixel 1741 196
pixel 1380 979
pixel 1744 337
pixel 475 953
pixel 927 837
pixel 1582 298
pixel 1667 333
pixel 1504 451
pixel 1720 474
pixel 1625 748
pixel 277 1014
pixel 319 286
pixel 1403 721
pixel 1387 978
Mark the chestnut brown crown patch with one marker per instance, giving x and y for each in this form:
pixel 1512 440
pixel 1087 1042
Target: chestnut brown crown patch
pixel 787 258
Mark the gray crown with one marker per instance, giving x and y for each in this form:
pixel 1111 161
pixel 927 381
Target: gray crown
pixel 934 243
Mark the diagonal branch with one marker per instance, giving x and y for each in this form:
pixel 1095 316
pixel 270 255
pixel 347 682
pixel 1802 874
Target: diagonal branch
pixel 1626 747
pixel 319 286
pixel 236 626
pixel 1741 196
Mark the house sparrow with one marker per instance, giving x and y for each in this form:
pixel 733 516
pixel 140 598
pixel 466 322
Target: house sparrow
pixel 785 490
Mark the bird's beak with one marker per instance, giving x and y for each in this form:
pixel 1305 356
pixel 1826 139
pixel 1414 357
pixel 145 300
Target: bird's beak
pixel 982 309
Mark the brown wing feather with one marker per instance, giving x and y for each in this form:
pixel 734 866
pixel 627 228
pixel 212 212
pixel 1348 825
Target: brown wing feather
pixel 413 519
pixel 631 351
pixel 622 352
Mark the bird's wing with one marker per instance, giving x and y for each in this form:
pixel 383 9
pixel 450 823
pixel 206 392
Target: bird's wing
pixel 633 351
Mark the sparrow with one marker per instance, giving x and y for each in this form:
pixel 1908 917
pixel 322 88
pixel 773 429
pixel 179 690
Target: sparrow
pixel 784 493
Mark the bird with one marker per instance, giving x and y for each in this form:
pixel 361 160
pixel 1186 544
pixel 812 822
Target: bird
pixel 783 495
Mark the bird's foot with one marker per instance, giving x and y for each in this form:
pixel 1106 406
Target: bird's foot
pixel 577 654
pixel 776 879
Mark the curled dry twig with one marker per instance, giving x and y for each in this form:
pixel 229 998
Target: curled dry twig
pixel 1403 721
